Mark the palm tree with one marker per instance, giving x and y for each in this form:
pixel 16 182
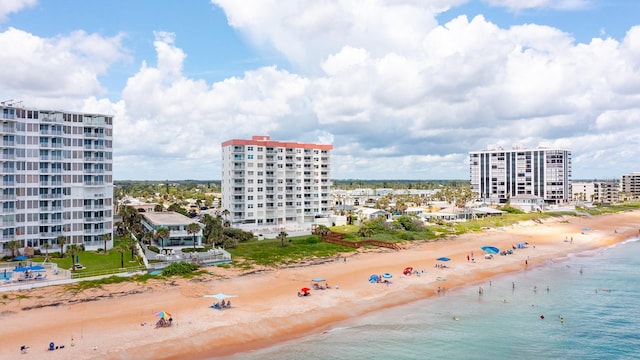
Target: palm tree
pixel 121 249
pixel 61 240
pixel 46 247
pixel 225 214
pixel 72 249
pixel 193 229
pixel 160 235
pixel 106 237
pixel 14 246
pixel 282 236
pixel 131 245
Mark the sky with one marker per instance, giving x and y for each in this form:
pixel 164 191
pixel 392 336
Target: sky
pixel 402 89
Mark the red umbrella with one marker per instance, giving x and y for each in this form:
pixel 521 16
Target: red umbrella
pixel 305 289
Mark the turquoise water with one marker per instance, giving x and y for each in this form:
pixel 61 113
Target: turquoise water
pixel 595 324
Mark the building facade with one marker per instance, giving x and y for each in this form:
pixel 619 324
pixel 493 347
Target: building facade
pixel 630 185
pixel 498 175
pixel 268 183
pixel 602 192
pixel 177 225
pixel 57 180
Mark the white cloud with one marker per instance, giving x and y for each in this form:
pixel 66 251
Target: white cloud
pixel 48 70
pixel 12 6
pixel 411 113
pixel 396 93
pixel 517 5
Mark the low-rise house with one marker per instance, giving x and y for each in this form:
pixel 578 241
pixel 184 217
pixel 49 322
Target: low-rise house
pixel 177 225
pixel 527 203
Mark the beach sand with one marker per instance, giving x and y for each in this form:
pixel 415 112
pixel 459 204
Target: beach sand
pixel 117 321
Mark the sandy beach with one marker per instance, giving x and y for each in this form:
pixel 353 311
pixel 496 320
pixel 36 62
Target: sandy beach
pixel 117 321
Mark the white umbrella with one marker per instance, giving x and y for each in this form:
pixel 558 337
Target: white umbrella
pixel 220 296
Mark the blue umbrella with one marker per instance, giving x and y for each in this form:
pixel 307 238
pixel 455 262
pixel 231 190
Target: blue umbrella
pixel 490 249
pixel 387 276
pixel 20 258
pixel 318 279
pixel 586 229
pixel 443 259
pixel 374 278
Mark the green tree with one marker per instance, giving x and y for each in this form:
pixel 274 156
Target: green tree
pixel 193 229
pixel 121 250
pixel 61 240
pixel 161 235
pixel 72 249
pixel 282 236
pixel 14 246
pixel 130 244
pixel 106 237
pixel 46 247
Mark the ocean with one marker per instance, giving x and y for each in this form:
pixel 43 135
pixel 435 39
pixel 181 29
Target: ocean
pixel 590 303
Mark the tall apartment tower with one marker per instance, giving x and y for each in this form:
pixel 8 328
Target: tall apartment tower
pixel 270 183
pixel 498 175
pixel 630 185
pixel 56 169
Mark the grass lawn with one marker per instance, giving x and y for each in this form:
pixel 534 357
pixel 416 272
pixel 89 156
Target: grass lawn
pixel 269 252
pixel 92 260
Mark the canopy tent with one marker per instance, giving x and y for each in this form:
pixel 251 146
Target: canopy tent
pixel 490 249
pixel 318 279
pixel 220 296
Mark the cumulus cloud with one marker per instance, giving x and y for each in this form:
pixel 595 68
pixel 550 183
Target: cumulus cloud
pixel 12 6
pixel 46 70
pixel 397 93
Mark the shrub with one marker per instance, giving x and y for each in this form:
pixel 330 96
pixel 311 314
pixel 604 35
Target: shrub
pixel 154 249
pixel 179 268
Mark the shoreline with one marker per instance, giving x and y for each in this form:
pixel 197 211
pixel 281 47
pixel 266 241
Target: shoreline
pixel 267 310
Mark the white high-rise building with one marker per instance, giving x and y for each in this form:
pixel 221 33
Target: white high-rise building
pixel 498 175
pixel 630 185
pixel 56 169
pixel 271 183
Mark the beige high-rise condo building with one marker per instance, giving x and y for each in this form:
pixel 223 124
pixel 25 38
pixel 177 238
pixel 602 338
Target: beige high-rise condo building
pixel 56 185
pixel 267 183
pixel 498 175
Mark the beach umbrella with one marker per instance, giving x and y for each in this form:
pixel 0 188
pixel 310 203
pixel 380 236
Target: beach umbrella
pixel 20 258
pixel 387 276
pixel 443 259
pixel 585 229
pixel 318 279
pixel 490 249
pixel 163 314
pixel 305 289
pixel 374 278
pixel 220 296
